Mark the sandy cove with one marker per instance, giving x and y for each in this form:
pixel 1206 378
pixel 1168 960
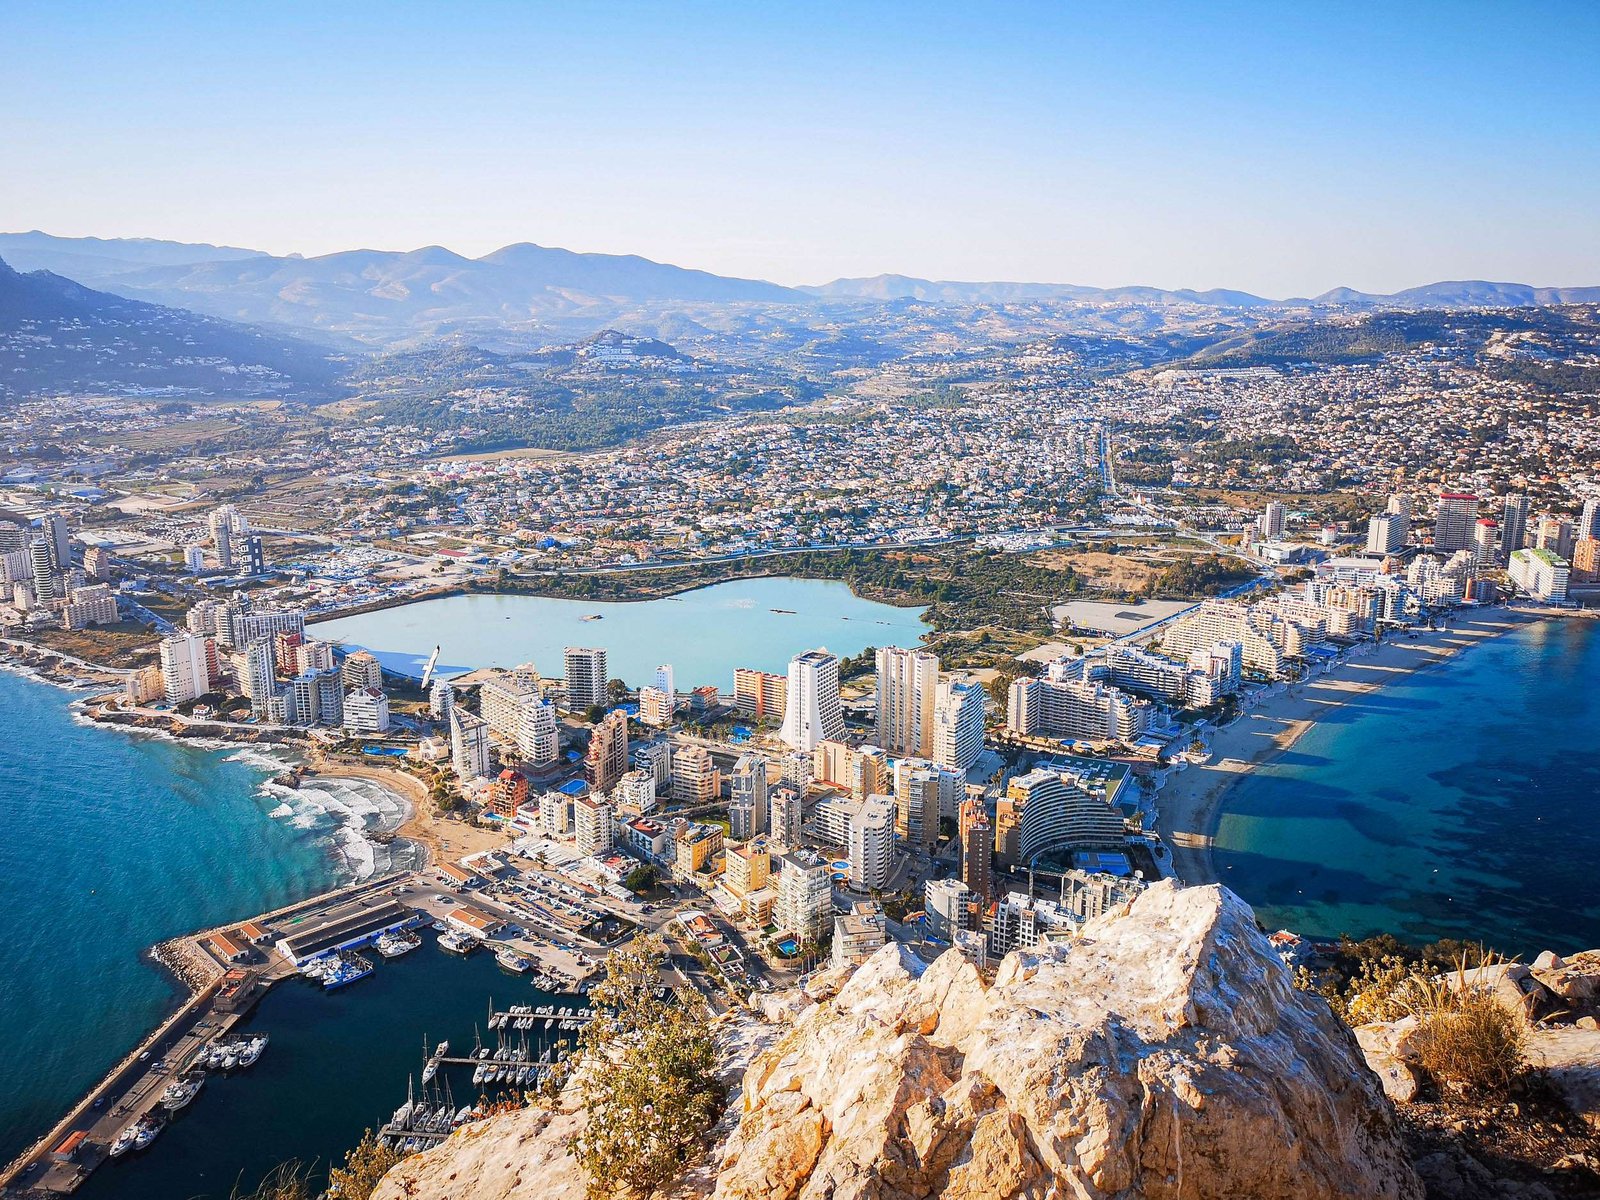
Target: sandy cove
pixel 1190 802
pixel 444 839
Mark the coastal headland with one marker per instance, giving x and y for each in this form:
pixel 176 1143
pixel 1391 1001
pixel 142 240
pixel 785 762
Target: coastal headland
pixel 1191 803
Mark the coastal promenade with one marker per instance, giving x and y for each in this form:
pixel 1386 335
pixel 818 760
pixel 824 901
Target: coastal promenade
pixel 1190 802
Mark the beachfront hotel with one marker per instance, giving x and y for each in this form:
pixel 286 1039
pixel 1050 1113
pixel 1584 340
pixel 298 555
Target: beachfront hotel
pixel 1069 702
pixel 1543 574
pixel 1044 810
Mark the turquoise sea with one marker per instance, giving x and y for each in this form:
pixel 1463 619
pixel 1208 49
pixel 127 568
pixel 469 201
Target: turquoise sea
pixel 113 842
pixel 1462 801
pixel 703 634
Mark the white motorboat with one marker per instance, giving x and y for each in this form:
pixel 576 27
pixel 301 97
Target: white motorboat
pixel 181 1091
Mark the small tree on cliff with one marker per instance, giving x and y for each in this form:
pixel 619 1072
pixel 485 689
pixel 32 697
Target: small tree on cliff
pixel 365 1164
pixel 648 1078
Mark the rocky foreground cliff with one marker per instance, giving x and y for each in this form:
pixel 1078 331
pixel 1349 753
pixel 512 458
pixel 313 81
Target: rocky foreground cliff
pixel 1164 1055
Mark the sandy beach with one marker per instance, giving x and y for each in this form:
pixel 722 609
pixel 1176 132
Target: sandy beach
pixel 443 839
pixel 1190 802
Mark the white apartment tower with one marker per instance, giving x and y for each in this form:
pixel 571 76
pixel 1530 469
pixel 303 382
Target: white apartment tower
pixel 1272 520
pixel 872 843
pixel 958 724
pixel 785 812
pixel 186 666
pixel 812 713
pixel 470 748
pixel 1386 533
pixel 538 739
pixel 586 677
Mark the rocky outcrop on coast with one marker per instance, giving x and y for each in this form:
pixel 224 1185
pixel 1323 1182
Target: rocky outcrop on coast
pixel 1537 1138
pixel 1165 1054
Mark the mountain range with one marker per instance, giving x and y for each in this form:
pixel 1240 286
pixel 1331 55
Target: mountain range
pixel 382 296
pixel 57 335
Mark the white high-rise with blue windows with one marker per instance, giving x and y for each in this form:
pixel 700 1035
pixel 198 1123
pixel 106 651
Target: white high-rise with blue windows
pixel 811 712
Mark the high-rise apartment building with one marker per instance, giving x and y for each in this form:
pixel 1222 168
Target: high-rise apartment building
pixel 655 707
pixel 759 694
pixel 1386 533
pixel 259 678
pixel 97 563
pixel 785 813
pixel 44 573
pixel 221 522
pixel 1486 541
pixel 636 790
pixel 538 735
pixel 908 684
pixel 812 713
pixel 695 780
pixel 594 825
pixel 471 750
pixel 805 897
pixel 1060 705
pixel 1042 810
pixel 441 699
pixel 976 834
pixel 361 670
pixel 607 758
pixel 1543 574
pixel 586 677
pixel 59 535
pixel 1272 520
pixel 958 713
pixel 507 793
pixel 748 803
pixel 1555 534
pixel 1589 519
pixel 366 710
pixel 1453 521
pixel 188 663
pixel 664 682
pixel 916 801
pixel 872 843
pixel 1513 525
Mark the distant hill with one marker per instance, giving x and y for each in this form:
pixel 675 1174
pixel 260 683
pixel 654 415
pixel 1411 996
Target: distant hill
pixel 385 295
pixel 57 335
pixel 543 294
pixel 1464 293
pixel 92 260
pixel 905 287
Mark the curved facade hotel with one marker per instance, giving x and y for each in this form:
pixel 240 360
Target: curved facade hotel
pixel 811 712
pixel 1042 811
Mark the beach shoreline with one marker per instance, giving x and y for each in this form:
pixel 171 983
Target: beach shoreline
pixel 439 838
pixel 1190 805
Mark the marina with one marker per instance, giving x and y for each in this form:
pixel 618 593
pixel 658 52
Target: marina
pixel 320 941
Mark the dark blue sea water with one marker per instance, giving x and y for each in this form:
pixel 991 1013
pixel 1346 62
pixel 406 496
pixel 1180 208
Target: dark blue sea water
pixel 336 1066
pixel 1462 801
pixel 111 842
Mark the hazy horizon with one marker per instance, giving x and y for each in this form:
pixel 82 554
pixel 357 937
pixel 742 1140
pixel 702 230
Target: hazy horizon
pixel 1247 147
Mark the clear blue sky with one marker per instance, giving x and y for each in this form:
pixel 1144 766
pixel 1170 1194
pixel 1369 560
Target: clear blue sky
pixel 1280 147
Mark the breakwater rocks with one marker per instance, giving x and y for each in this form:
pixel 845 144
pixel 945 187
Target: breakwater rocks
pixel 195 969
pixel 180 727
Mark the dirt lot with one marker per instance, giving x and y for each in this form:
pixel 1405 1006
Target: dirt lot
pixel 126 644
pixel 1114 572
